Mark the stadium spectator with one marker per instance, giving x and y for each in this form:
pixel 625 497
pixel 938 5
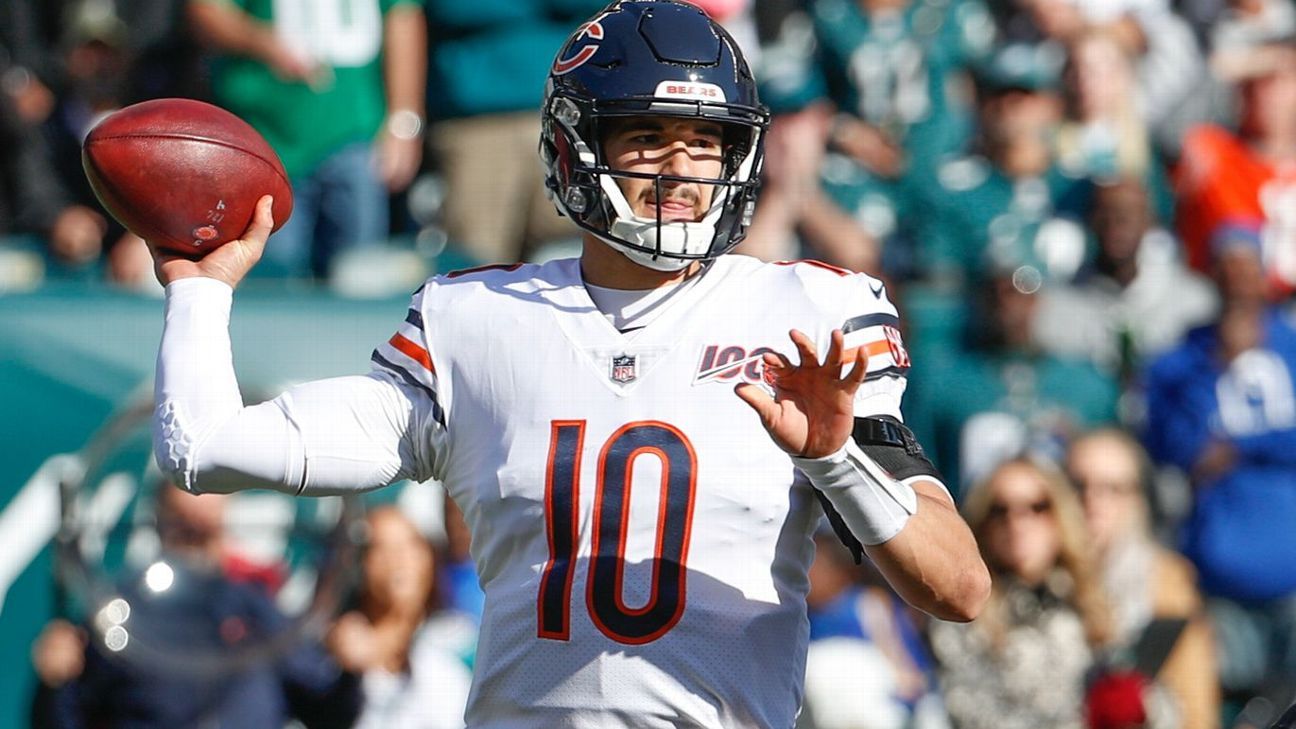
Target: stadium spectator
pixel 1220 407
pixel 1135 300
pixel 1002 201
pixel 1247 178
pixel 337 88
pixel 99 61
pixel 867 667
pixel 32 200
pixel 409 679
pixel 791 87
pixel 797 215
pixel 166 59
pixel 997 393
pixel 1174 87
pixel 816 202
pixel 788 70
pixel 893 68
pixel 1023 662
pixel 486 69
pixel 1225 24
pixel 1154 598
pixel 897 71
pixel 84 685
pixel 1104 135
pixel 792 199
pixel 28 64
pixel 115 53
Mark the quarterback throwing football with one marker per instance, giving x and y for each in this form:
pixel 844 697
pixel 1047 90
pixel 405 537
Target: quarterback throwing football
pixel 643 440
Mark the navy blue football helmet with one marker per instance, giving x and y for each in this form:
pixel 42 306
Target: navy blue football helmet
pixel 651 58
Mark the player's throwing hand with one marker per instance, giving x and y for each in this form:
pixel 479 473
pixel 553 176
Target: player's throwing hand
pixel 811 413
pixel 229 263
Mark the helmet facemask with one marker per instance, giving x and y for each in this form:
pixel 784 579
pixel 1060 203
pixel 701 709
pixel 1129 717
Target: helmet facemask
pixel 586 184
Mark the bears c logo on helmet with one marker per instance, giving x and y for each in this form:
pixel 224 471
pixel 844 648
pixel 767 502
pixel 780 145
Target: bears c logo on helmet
pixel 591 30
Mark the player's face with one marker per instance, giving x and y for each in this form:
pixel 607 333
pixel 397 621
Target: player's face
pixel 665 146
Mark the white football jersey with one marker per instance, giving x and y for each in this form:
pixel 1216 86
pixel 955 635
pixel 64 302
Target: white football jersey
pixel 642 542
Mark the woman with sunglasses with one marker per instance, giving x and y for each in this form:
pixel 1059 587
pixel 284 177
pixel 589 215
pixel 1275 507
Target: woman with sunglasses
pixel 1023 663
pixel 1157 610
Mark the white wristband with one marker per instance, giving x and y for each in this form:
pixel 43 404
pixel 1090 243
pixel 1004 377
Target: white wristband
pixel 873 504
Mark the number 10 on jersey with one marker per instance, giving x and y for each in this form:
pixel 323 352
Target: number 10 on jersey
pixel 611 521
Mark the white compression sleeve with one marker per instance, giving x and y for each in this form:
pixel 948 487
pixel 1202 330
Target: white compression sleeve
pixel 873 504
pixel 331 436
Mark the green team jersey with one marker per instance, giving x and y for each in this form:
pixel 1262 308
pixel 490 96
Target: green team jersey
pixel 895 69
pixel 306 123
pixel 974 216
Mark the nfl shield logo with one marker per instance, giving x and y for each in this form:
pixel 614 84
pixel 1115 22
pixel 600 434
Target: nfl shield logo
pixel 624 368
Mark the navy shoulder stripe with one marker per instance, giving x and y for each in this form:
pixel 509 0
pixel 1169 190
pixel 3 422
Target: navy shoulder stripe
pixel 410 380
pixel 865 321
pixel 414 318
pixel 892 371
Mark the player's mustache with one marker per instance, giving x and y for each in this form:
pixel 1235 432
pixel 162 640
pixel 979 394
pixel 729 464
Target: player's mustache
pixel 679 194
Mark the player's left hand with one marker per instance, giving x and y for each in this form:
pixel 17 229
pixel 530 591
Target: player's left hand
pixel 811 413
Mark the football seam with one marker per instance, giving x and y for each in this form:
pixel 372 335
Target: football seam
pixel 195 138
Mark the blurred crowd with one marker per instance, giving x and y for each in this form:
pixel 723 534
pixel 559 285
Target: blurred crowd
pixel 217 649
pixel 1085 210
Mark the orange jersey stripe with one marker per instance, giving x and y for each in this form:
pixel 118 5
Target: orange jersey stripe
pixel 877 348
pixel 413 351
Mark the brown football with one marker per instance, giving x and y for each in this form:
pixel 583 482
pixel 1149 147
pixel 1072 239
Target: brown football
pixel 182 174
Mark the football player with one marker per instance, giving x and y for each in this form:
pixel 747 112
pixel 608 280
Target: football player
pixel 640 450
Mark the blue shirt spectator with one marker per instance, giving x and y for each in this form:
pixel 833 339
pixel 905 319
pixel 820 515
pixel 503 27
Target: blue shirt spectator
pixel 1231 421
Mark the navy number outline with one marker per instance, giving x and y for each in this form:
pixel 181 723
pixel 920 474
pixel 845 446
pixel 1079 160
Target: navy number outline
pixel 603 594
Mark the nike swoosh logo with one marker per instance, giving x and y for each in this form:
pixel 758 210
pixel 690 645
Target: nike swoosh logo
pixel 877 290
